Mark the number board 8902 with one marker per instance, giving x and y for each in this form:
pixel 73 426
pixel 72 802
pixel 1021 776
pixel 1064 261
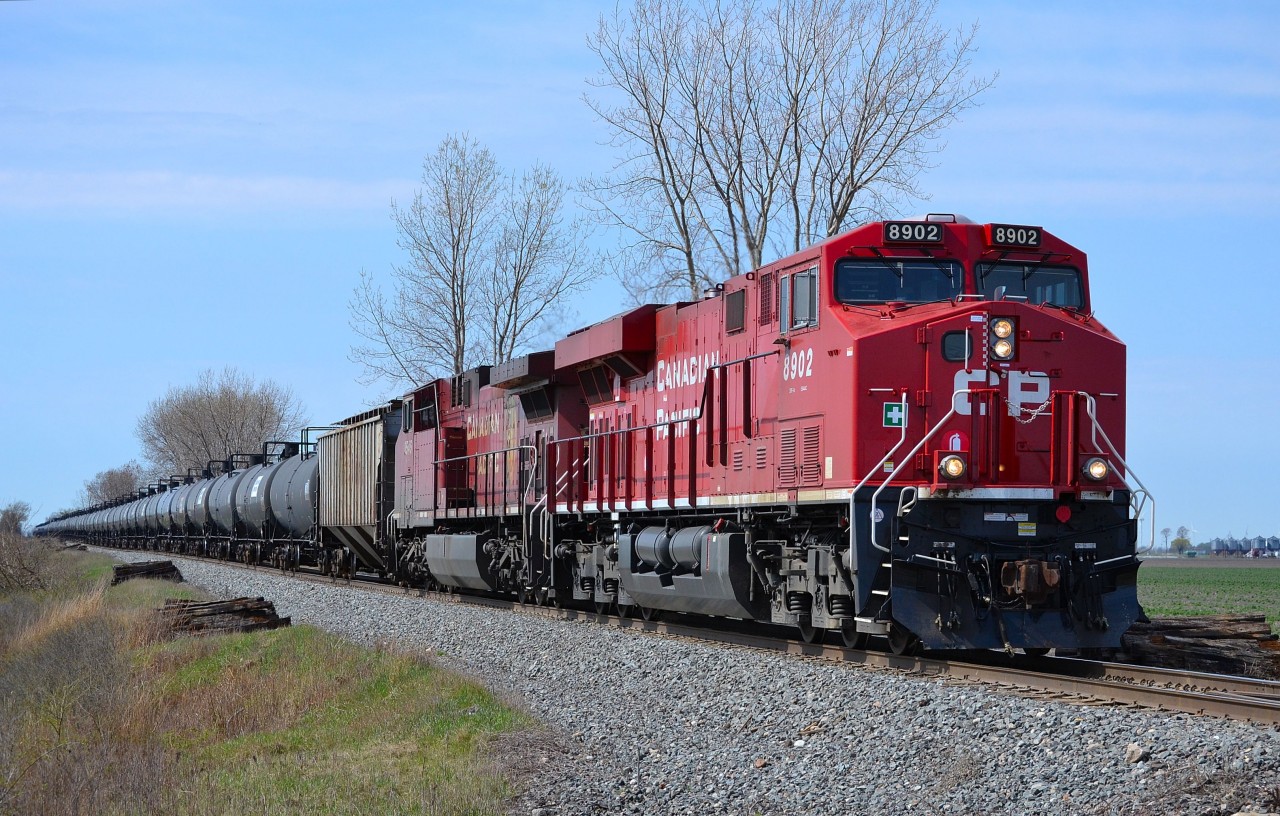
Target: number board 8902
pixel 912 232
pixel 1012 235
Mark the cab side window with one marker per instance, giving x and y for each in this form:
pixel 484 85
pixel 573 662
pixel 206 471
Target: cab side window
pixel 798 300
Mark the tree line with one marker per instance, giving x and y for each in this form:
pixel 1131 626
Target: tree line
pixel 191 427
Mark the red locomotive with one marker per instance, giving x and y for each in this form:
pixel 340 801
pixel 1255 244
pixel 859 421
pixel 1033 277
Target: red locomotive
pixel 912 430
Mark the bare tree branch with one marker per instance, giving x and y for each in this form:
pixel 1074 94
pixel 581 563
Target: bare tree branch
pixel 491 259
pixel 739 122
pixel 113 483
pixel 220 415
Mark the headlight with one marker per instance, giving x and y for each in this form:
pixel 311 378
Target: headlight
pixel 951 467
pixel 1002 337
pixel 1097 469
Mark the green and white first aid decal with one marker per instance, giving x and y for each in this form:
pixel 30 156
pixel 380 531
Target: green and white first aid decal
pixel 894 415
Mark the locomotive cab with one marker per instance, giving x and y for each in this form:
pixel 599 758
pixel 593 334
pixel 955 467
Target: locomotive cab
pixel 991 508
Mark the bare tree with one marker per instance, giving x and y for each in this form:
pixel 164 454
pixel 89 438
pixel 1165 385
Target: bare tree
pixel 23 561
pixel 444 231
pixel 652 193
pixel 222 414
pixel 491 257
pixel 537 258
pixel 113 482
pixel 13 517
pixel 748 129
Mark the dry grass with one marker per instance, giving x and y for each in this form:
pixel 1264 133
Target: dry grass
pixel 102 713
pixel 58 616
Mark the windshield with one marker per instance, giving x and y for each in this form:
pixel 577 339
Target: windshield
pixel 861 280
pixel 1056 285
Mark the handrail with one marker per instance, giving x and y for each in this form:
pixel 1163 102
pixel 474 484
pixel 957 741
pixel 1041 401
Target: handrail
pixel 1141 495
pixel 853 528
pixel 1090 407
pixel 524 523
pixel 910 457
pixel 696 416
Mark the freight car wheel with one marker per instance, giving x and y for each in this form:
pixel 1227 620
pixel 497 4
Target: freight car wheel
pixel 649 613
pixel 625 610
pixel 810 633
pixel 1036 651
pixel 851 637
pixel 902 641
pixel 602 607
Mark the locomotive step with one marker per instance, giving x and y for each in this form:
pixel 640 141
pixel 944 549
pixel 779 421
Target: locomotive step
pixel 872 626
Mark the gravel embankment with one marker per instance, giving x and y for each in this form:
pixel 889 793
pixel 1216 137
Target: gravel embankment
pixel 651 725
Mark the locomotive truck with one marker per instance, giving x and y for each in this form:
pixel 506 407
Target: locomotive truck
pixel 914 430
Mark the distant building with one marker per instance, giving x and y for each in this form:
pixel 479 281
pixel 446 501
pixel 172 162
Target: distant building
pixel 1255 547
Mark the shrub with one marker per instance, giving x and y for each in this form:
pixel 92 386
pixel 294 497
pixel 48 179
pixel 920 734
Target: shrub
pixel 24 562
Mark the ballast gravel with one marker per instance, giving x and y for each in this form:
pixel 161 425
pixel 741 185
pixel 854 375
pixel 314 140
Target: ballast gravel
pixel 646 724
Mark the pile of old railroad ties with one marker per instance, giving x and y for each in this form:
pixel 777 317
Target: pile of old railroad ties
pixel 1241 645
pixel 203 617
pixel 161 570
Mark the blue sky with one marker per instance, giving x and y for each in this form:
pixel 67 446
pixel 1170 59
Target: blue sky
pixel 194 185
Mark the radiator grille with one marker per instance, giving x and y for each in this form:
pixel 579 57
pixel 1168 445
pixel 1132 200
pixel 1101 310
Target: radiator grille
pixel 811 453
pixel 766 299
pixel 788 473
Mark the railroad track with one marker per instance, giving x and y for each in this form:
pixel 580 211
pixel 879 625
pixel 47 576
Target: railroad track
pixel 1063 679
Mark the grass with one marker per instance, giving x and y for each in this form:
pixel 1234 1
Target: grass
pixel 101 713
pixel 1210 586
pixel 288 717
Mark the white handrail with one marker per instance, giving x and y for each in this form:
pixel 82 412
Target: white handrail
pixel 910 457
pixel 853 528
pixel 1091 411
pixel 1141 494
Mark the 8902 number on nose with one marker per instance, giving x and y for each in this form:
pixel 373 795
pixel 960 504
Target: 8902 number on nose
pixel 1013 235
pixel 912 232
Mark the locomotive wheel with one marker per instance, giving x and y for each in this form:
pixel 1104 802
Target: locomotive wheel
pixel 851 637
pixel 902 641
pixel 810 633
pixel 649 613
